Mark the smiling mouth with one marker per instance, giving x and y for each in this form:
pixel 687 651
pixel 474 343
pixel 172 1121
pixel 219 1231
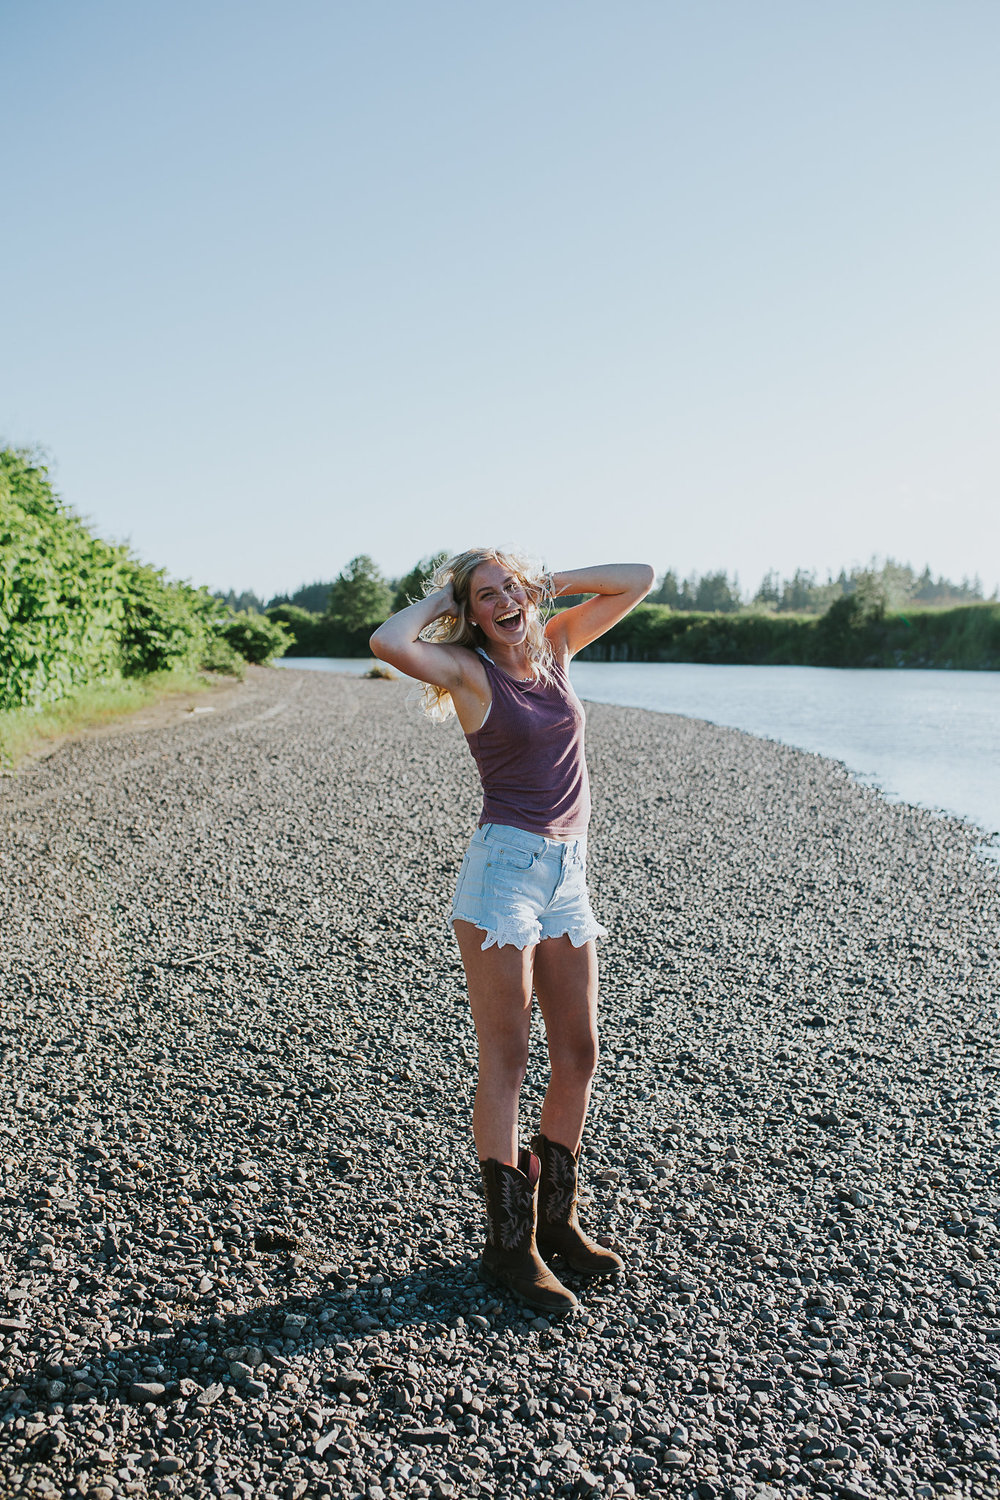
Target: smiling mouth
pixel 509 621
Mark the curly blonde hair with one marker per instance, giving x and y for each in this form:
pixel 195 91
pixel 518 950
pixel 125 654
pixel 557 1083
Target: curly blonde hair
pixel 459 630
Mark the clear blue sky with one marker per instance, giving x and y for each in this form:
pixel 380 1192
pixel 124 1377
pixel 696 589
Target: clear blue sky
pixel 713 285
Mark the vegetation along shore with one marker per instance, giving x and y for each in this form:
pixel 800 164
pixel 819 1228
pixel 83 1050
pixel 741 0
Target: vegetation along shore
pixel 240 1210
pixel 884 616
pixel 88 631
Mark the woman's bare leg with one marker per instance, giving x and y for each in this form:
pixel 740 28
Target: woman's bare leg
pixel 566 985
pixel 499 982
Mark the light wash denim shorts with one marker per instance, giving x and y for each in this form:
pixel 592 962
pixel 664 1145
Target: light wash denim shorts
pixel 520 887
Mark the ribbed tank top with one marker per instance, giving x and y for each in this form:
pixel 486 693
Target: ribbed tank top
pixel 530 756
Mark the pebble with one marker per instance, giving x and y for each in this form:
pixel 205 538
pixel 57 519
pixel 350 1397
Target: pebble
pixel 148 1390
pixel 241 1216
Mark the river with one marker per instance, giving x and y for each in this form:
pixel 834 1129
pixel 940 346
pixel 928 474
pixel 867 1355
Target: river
pixel 927 737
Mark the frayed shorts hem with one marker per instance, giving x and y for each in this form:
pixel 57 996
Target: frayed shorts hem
pixel 523 935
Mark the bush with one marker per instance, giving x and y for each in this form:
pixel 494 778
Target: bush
pixel 856 631
pixel 219 656
pixel 61 591
pixel 75 612
pixel 308 634
pixel 257 638
pixel 166 625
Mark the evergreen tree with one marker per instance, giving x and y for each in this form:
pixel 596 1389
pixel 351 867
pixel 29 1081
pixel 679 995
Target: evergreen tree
pixel 898 581
pixel 769 593
pixel 410 587
pixel 667 592
pixel 714 594
pixel 240 603
pixel 359 598
pixel 797 592
pixel 311 596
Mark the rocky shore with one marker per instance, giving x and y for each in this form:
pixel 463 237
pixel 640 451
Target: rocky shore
pixel 239 1210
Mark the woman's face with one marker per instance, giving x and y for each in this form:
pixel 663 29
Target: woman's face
pixel 498 604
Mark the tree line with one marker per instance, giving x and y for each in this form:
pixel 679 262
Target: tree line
pixel 335 618
pixel 894 584
pixel 359 594
pixel 77 611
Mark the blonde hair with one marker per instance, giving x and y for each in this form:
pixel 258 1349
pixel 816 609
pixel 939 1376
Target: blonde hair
pixel 459 630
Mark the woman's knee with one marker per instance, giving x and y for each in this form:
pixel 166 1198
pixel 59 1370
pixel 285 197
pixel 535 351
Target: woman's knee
pixel 503 1064
pixel 575 1057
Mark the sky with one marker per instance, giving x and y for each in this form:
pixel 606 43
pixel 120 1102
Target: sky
pixel 712 286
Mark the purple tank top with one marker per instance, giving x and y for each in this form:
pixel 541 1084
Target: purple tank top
pixel 530 756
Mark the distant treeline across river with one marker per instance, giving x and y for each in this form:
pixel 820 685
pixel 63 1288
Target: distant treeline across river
pixel 848 634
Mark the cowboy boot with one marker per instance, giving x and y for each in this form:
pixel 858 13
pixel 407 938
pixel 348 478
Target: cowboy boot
pixel 559 1231
pixel 510 1257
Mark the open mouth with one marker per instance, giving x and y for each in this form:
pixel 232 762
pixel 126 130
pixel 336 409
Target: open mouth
pixel 510 621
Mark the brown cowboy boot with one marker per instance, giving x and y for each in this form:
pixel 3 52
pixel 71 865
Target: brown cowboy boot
pixel 559 1231
pixel 510 1257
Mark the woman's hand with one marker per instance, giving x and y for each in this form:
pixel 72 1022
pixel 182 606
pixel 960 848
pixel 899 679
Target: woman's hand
pixel 617 588
pixel 444 599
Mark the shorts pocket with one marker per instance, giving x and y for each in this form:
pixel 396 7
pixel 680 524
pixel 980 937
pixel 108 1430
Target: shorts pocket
pixel 511 859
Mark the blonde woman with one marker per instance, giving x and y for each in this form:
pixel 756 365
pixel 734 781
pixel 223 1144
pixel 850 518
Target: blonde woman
pixel 522 917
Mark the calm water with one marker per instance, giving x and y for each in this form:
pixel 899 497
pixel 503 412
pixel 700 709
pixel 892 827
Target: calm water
pixel 932 738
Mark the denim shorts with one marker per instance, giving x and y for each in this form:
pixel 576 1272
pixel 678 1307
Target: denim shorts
pixel 519 888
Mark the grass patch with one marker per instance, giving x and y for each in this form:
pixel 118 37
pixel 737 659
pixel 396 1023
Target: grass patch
pixel 25 732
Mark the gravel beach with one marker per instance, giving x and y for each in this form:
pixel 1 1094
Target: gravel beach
pixel 241 1212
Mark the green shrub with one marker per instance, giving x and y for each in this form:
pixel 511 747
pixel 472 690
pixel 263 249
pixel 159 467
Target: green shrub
pixel 654 632
pixel 856 631
pixel 310 634
pixel 219 656
pixel 61 600
pixel 75 611
pixel 257 638
pixel 166 624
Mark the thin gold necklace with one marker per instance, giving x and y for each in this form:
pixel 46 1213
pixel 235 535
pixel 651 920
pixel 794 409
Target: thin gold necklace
pixel 529 678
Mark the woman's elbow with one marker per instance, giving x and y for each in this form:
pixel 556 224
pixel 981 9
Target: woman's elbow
pixel 647 578
pixel 376 644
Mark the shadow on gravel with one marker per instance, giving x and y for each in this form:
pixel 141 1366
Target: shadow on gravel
pixel 198 1361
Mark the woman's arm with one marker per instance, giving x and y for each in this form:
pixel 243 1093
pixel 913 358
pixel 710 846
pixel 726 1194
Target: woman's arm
pixel 617 588
pixel 398 642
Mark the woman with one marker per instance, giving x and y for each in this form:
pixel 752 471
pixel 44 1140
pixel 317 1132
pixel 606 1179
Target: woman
pixel 521 912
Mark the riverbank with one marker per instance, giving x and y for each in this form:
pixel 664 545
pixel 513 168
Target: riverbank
pixel 964 638
pixel 847 635
pixel 241 1212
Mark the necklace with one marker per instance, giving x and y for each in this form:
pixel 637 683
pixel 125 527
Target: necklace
pixel 521 680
